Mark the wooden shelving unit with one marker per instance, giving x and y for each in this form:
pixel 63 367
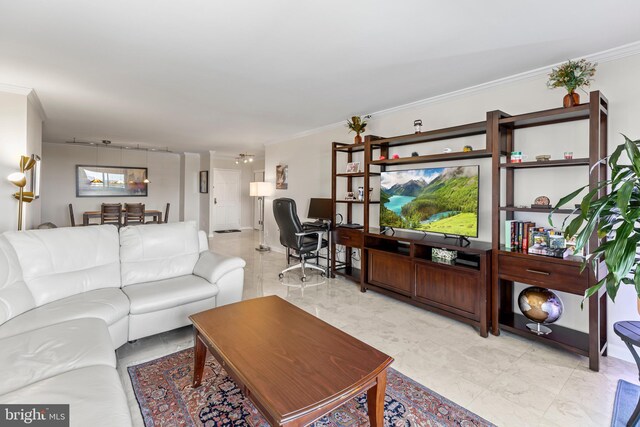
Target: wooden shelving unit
pixel 400 265
pixel 350 238
pixel 563 275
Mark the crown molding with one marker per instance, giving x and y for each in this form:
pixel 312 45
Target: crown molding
pixel 608 55
pixel 19 90
pixel 32 96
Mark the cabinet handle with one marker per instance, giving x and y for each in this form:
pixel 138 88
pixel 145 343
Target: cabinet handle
pixel 544 273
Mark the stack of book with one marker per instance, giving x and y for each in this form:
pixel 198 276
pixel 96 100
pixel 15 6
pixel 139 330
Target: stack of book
pixel 526 237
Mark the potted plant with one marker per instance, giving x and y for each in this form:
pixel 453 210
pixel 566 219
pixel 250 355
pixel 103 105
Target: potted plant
pixel 357 124
pixel 572 75
pixel 615 216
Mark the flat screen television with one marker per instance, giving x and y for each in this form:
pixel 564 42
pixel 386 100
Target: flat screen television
pixel 433 200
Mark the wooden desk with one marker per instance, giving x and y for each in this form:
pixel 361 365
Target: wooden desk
pixel 293 366
pixel 86 216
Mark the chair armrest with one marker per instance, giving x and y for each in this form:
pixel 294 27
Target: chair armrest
pixel 318 232
pixel 212 266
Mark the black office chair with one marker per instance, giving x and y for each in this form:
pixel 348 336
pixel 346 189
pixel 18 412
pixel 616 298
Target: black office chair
pixel 292 236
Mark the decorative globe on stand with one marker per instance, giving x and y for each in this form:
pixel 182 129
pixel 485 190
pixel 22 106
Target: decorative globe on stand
pixel 540 305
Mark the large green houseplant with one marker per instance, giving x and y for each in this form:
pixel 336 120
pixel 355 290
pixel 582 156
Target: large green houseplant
pixel 615 216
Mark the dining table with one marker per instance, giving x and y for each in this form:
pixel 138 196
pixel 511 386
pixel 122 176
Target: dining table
pixel 86 216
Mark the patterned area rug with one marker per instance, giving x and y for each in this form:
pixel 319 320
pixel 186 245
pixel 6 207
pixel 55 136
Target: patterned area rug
pixel 166 398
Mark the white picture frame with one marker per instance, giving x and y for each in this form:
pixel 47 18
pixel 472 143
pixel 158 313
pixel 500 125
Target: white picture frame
pixel 353 167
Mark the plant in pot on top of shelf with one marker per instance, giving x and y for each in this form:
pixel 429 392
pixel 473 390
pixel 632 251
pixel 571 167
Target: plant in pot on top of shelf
pixel 572 75
pixel 615 216
pixel 358 124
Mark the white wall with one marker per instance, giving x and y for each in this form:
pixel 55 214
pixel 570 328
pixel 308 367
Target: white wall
pixel 34 146
pixel 205 160
pixel 58 184
pixel 20 134
pixel 189 187
pixel 309 157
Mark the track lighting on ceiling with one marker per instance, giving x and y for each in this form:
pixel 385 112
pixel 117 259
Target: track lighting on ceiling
pixel 244 158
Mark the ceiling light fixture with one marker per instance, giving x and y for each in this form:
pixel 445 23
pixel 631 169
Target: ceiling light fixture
pixel 244 158
pixel 105 143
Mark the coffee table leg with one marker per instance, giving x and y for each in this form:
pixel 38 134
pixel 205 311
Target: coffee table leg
pixel 199 355
pixel 375 400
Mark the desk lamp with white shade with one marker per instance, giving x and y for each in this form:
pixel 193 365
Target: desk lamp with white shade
pixel 261 190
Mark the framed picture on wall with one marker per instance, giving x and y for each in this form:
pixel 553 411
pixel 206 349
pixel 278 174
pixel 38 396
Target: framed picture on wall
pixel 204 181
pixel 282 181
pixel 110 181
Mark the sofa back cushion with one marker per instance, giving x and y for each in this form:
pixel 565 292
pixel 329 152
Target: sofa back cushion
pixel 158 251
pixel 60 262
pixel 15 297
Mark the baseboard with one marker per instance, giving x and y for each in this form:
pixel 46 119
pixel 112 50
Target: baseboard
pixel 620 351
pixel 279 249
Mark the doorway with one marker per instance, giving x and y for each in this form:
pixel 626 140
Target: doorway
pixel 226 199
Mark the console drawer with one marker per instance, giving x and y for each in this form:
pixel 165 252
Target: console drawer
pixel 537 271
pixel 348 237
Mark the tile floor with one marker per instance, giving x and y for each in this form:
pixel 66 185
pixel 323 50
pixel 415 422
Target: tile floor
pixel 508 380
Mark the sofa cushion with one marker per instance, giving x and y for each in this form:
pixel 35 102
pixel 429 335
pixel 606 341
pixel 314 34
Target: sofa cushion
pixel 60 262
pixel 158 251
pixel 53 350
pixel 168 293
pixel 15 297
pixel 109 304
pixel 95 396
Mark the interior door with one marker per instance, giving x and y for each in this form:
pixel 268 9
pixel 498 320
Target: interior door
pixel 258 176
pixel 226 199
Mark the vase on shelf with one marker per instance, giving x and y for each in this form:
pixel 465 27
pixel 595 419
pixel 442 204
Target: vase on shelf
pixel 571 100
pixel 357 139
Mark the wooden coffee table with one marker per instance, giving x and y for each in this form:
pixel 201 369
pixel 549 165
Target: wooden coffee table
pixel 293 366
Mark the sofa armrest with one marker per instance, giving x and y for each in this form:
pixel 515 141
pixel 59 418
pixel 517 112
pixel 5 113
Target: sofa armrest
pixel 225 272
pixel 212 266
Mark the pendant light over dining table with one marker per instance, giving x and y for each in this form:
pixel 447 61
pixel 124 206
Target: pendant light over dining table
pixel 146 165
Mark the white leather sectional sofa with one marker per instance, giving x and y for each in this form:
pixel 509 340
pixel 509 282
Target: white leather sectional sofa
pixel 70 296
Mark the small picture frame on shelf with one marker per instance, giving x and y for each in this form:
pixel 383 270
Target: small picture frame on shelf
pixel 353 167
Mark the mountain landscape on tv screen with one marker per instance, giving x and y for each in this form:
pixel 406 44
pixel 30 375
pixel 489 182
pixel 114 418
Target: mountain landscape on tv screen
pixel 438 200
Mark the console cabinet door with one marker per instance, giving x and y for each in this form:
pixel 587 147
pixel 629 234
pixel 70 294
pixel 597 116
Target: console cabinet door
pixel 390 271
pixel 449 288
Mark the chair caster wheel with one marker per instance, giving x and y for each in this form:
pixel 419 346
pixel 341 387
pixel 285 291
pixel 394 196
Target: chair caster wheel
pixel 323 275
pixel 281 276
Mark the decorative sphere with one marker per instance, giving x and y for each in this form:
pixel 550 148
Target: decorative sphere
pixel 540 304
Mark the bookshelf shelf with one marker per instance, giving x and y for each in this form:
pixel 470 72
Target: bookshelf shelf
pixel 547 164
pixel 538 210
pixel 476 154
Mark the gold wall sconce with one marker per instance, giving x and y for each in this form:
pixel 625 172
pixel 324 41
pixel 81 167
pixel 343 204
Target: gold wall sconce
pixel 19 179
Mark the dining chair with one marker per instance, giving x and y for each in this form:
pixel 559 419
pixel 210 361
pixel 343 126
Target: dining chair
pixel 133 214
pixel 71 215
pixel 111 213
pixel 160 220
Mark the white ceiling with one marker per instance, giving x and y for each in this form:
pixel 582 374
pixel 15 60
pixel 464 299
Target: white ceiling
pixel 229 76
